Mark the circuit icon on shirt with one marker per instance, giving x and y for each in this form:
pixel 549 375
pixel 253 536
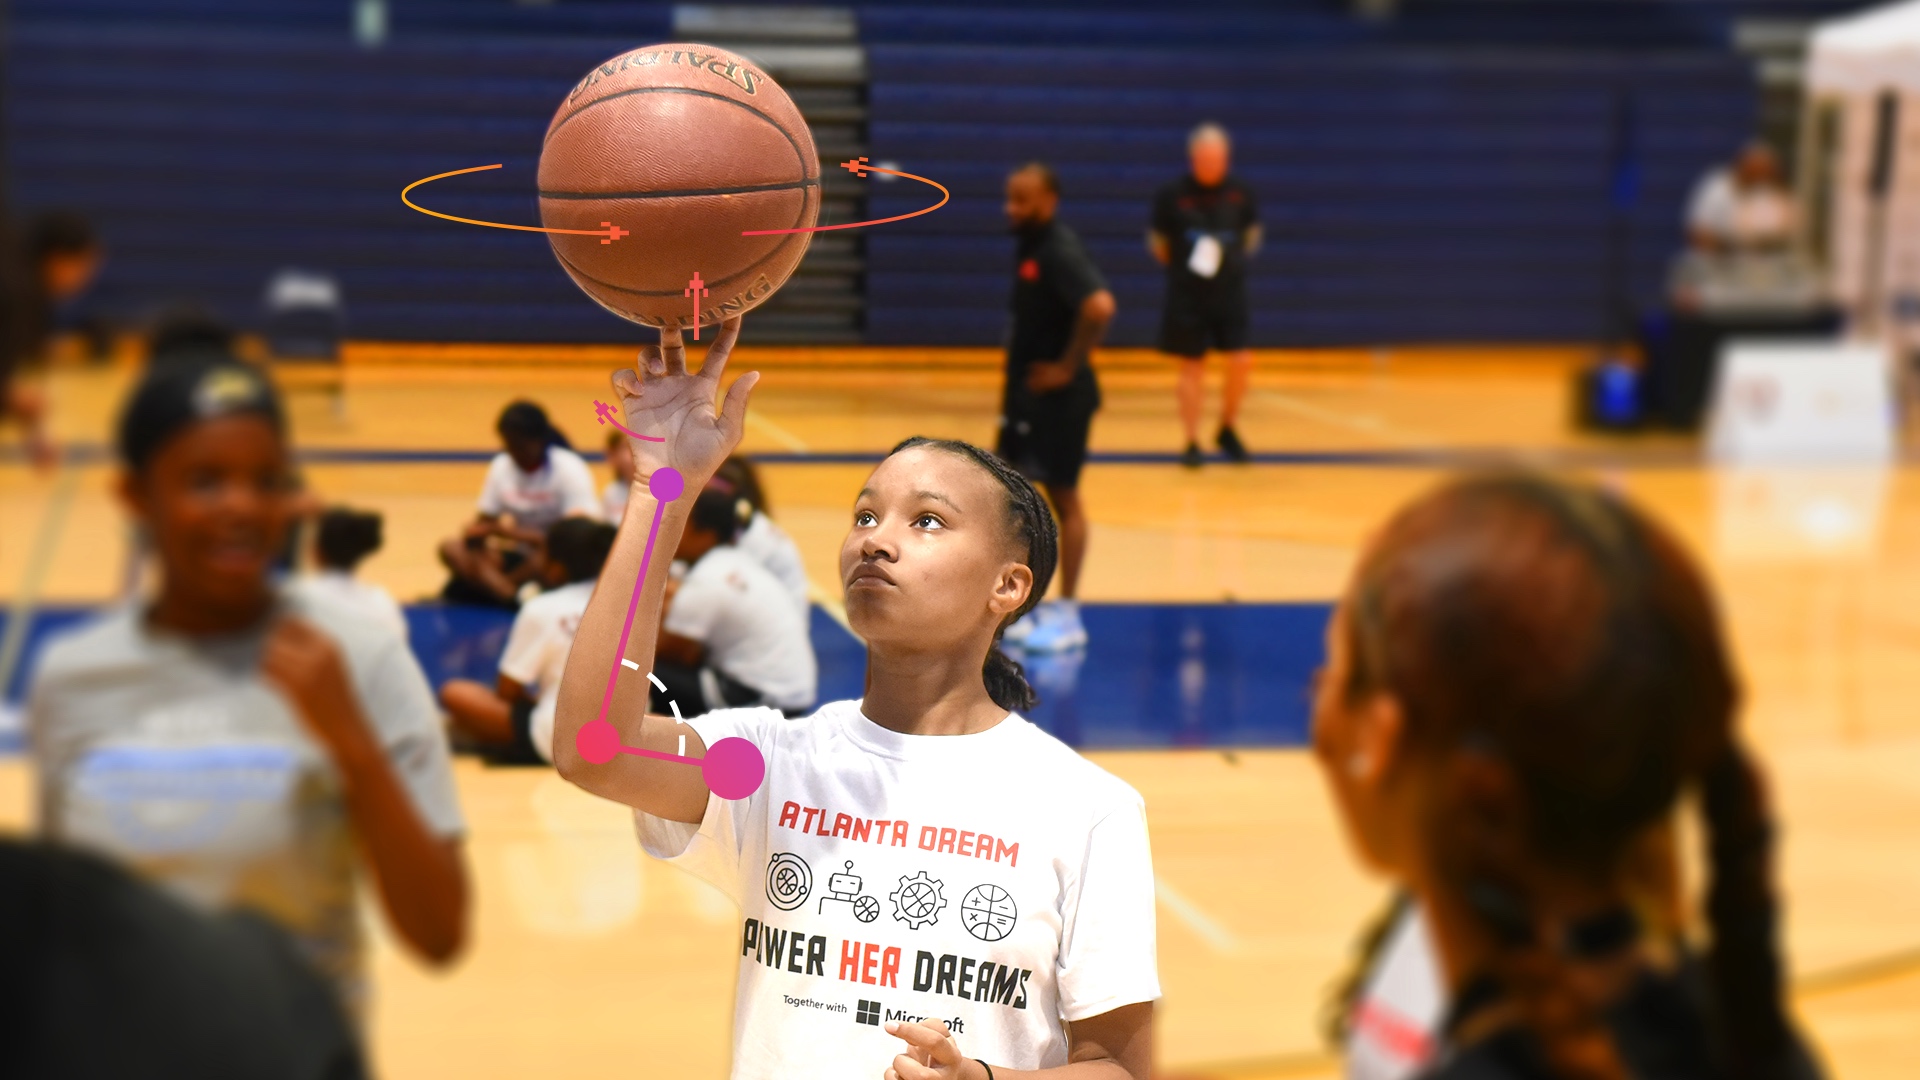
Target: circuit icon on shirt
pixel 733 768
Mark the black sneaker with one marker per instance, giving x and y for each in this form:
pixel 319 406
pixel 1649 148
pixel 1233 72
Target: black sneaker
pixel 1192 458
pixel 1231 446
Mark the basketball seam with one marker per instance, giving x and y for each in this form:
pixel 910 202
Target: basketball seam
pixel 806 167
pixel 716 283
pixel 787 185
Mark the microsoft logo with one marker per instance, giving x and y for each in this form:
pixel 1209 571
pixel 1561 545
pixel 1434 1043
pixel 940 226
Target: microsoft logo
pixel 867 1013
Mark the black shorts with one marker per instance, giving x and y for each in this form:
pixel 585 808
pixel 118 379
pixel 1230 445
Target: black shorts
pixel 1047 440
pixel 1192 324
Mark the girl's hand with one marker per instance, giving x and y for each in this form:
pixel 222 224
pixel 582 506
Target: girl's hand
pixel 931 1054
pixel 660 398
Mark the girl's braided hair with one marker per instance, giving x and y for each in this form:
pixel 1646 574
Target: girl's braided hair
pixel 1032 528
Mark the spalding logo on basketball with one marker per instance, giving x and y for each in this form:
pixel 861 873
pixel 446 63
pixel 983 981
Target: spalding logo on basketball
pixel 685 147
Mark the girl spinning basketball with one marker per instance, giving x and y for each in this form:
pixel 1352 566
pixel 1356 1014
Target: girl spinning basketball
pixel 931 886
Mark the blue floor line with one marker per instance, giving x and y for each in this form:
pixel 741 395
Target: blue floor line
pixel 1153 675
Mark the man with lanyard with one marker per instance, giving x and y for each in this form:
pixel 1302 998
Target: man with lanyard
pixel 1205 228
pixel 1061 308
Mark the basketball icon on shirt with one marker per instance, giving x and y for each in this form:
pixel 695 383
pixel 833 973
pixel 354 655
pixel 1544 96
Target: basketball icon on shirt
pixel 917 902
pixel 988 912
pixel 789 880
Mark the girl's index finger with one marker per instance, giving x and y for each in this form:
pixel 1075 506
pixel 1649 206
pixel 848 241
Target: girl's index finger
pixel 917 1034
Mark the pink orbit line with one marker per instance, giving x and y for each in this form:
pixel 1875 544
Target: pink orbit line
pixel 626 629
pixel 605 413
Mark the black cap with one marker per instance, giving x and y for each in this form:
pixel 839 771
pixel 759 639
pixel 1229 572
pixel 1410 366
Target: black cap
pixel 174 397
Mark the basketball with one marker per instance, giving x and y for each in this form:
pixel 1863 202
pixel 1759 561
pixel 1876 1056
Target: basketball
pixel 682 147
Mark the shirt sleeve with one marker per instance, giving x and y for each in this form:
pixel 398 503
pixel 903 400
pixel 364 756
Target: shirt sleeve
pixel 1072 275
pixel 526 645
pixel 493 490
pixel 1107 950
pixel 1711 206
pixel 713 849
pixel 400 706
pixel 697 606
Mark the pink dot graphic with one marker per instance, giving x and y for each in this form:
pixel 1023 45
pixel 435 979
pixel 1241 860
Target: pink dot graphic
pixel 733 768
pixel 598 742
pixel 666 483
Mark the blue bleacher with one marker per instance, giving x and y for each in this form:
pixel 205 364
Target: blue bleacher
pixel 1441 175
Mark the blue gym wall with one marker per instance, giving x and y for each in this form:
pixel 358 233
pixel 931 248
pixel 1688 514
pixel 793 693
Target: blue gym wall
pixel 1445 176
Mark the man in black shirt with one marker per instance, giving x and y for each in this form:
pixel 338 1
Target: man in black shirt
pixel 1205 228
pixel 1061 307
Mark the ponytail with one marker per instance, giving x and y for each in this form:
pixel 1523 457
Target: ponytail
pixel 1033 528
pixel 1743 964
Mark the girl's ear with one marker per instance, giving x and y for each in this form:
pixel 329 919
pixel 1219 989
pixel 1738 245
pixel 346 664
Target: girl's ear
pixel 1011 590
pixel 132 494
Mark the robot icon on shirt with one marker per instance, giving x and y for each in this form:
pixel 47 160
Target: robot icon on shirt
pixel 845 889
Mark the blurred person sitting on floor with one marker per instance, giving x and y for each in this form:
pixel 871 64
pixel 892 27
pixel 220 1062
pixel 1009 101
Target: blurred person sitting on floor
pixel 343 538
pixel 613 498
pixel 1522 681
pixel 532 483
pixel 187 993
pixel 760 536
pixel 244 744
pixel 54 263
pixel 730 634
pixel 514 717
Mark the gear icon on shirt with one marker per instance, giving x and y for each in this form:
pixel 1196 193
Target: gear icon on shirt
pixel 918 901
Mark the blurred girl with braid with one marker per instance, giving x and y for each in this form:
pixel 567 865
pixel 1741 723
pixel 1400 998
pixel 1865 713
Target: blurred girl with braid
pixel 1522 681
pixel 983 893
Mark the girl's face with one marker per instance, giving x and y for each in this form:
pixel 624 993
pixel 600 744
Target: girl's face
pixel 527 454
pixel 1360 743
pixel 928 562
pixel 217 500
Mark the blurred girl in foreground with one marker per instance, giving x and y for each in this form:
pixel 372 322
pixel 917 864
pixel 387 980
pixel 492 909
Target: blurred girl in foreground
pixel 245 744
pixel 1521 682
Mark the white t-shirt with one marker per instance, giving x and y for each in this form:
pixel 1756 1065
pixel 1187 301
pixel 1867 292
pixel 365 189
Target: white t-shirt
pixel 998 881
pixel 561 487
pixel 364 597
pixel 772 548
pixel 1722 210
pixel 747 620
pixel 1393 1030
pixel 537 648
pixel 173 755
pixel 613 499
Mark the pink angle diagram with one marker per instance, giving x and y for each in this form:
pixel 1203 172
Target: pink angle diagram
pixel 733 768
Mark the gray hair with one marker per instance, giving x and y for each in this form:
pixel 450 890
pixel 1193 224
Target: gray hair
pixel 1207 132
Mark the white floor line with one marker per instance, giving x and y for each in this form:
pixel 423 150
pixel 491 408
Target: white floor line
pixel 781 435
pixel 26 598
pixel 1196 920
pixel 1367 425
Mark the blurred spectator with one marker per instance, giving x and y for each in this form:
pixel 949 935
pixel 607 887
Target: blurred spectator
pixel 1742 205
pixel 109 977
pixel 760 536
pixel 535 481
pixel 731 634
pixel 613 499
pixel 1206 226
pixel 342 539
pixel 57 259
pixel 245 745
pixel 515 716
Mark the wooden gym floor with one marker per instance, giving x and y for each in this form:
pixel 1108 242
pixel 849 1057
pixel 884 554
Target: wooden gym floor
pixel 589 960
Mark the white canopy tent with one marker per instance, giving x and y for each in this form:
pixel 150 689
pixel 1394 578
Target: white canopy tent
pixel 1861 166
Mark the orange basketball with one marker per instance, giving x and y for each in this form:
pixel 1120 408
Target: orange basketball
pixel 682 147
